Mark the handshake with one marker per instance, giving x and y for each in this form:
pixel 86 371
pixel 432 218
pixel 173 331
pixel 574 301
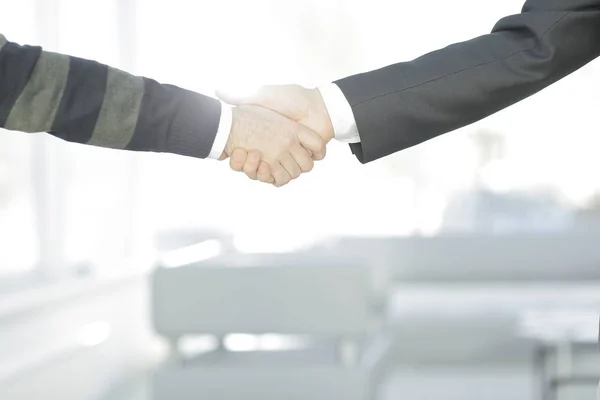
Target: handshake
pixel 277 132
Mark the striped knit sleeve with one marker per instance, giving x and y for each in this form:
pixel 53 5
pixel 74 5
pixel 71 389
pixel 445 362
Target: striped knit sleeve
pixel 83 101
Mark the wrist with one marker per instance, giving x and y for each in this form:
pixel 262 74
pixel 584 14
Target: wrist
pixel 319 114
pixel 235 116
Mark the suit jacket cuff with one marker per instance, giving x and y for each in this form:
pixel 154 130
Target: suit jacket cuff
pixel 340 112
pixel 222 136
pixel 194 128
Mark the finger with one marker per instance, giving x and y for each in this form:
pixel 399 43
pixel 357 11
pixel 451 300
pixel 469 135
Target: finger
pixel 223 156
pixel 302 158
pixel 264 173
pixel 291 166
pixel 280 175
pixel 251 165
pixel 238 159
pixel 312 142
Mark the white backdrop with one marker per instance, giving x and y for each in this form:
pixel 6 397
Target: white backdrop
pixel 102 205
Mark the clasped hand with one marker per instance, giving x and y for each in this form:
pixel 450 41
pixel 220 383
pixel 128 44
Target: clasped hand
pixel 277 133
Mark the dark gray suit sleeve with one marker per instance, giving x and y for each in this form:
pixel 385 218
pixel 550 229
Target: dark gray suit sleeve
pixel 401 105
pixel 83 101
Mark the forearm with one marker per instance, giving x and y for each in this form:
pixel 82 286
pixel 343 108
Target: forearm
pixel 86 102
pixel 407 103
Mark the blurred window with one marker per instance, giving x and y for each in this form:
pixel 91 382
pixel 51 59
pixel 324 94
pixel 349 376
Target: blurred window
pixel 18 229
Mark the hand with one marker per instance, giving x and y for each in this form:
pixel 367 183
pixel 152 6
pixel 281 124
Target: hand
pixel 299 104
pixel 284 145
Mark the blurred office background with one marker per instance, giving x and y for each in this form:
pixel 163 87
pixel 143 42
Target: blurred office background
pixel 480 248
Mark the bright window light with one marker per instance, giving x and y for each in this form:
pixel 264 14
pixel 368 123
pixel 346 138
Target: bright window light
pixel 274 342
pixel 195 345
pixel 267 342
pixel 242 342
pixel 93 334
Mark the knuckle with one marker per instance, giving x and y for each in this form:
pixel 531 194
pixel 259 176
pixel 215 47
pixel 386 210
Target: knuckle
pixel 249 168
pixel 263 176
pixel 235 166
pixel 284 180
pixel 320 154
pixel 289 141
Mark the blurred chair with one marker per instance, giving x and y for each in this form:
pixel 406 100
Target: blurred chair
pixel 328 301
pixel 568 370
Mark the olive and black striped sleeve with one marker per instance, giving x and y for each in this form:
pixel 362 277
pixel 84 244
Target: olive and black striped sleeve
pixel 83 101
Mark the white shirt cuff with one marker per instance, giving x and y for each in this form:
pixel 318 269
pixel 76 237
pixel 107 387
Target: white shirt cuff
pixel 340 112
pixel 222 133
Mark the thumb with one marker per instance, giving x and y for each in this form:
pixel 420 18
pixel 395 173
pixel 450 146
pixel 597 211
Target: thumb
pixel 232 98
pixel 239 97
pixel 281 99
